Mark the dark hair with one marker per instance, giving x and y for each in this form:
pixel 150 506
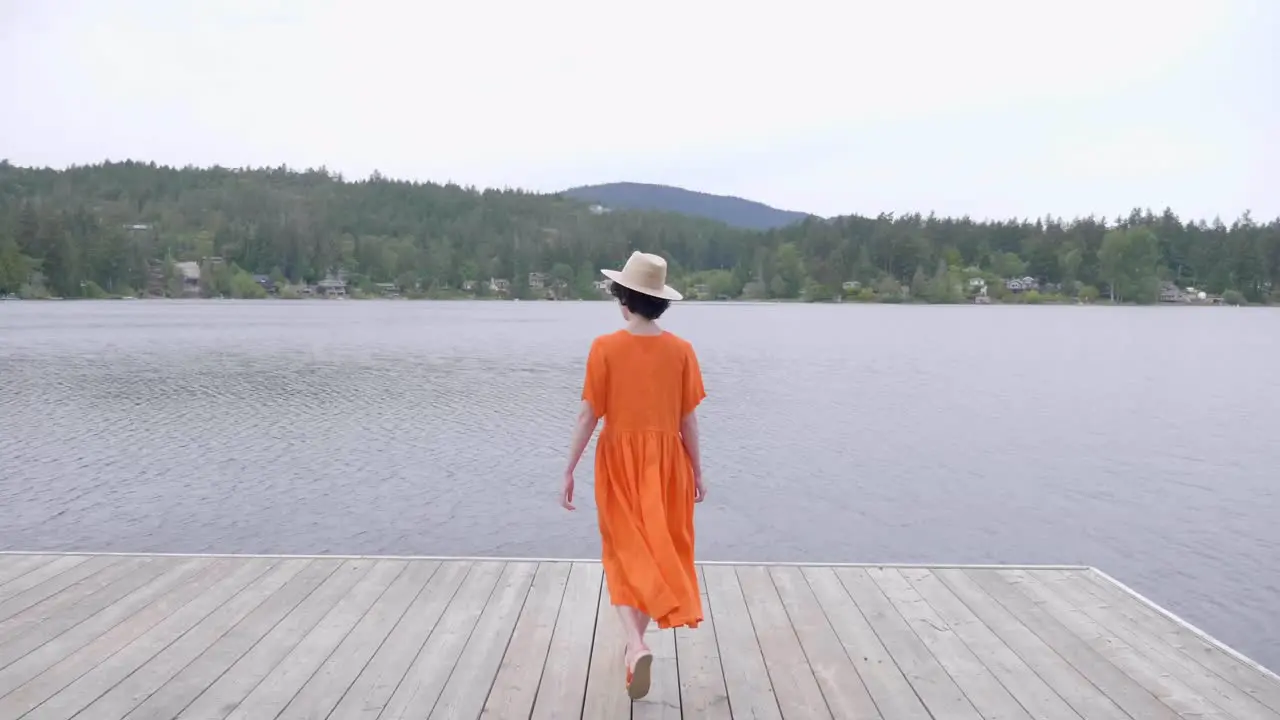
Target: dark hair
pixel 646 306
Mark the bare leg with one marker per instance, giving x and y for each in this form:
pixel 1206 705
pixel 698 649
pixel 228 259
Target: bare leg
pixel 639 659
pixel 634 625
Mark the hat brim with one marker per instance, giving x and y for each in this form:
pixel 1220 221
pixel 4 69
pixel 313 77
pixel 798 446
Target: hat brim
pixel 666 292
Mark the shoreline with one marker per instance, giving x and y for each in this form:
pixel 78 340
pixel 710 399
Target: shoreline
pixel 788 301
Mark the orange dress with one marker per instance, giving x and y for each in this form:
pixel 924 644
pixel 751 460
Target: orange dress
pixel 643 385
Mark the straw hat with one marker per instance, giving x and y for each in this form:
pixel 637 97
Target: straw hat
pixel 646 274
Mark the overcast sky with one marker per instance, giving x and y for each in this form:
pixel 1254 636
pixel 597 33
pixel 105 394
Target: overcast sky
pixel 979 107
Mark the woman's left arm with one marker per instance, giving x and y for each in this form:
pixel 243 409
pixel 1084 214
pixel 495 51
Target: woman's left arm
pixel 583 429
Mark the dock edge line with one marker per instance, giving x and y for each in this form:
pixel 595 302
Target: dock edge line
pixel 595 561
pixel 1215 642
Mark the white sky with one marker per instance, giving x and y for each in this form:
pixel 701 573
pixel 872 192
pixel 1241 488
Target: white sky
pixel 982 107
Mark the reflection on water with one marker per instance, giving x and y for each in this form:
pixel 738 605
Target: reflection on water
pixel 1137 440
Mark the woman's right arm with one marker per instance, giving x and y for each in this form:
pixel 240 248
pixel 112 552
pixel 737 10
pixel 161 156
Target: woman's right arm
pixel 689 436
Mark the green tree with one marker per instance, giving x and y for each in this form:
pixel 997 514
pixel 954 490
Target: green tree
pixel 1130 265
pixel 920 289
pixel 242 285
pixel 14 266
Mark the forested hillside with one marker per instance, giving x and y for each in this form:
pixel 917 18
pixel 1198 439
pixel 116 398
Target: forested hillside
pixel 95 229
pixel 732 211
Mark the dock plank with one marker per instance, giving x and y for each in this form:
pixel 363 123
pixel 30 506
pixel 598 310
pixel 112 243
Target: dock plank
pixel 88 687
pixel 562 689
pixel 15 566
pixel 42 657
pixel 1265 688
pixel 66 670
pixel 888 686
pixel 191 681
pixel 40 573
pixel 702 691
pixel 1167 688
pixel 984 691
pixel 380 678
pixel 516 686
pixel 793 680
pixel 928 678
pixel 115 637
pixel 60 605
pixel 1203 681
pixel 421 686
pixel 36 592
pixel 663 700
pixel 227 693
pixel 146 680
pixel 1012 671
pixel 317 699
pixel 834 672
pixel 1111 680
pixel 606 695
pixel 746 676
pixel 1075 689
pixel 278 688
pixel 467 689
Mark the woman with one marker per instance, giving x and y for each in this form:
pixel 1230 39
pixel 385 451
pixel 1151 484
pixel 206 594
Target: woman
pixel 646 383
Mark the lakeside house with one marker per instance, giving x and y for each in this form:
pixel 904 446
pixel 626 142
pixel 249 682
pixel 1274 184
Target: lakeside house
pixel 189 272
pixel 851 286
pixel 538 280
pixel 500 286
pixel 1021 285
pixel 331 287
pixel 266 283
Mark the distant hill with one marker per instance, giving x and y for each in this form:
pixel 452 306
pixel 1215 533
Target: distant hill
pixel 732 211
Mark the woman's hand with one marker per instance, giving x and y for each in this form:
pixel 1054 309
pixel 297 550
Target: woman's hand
pixel 566 495
pixel 699 490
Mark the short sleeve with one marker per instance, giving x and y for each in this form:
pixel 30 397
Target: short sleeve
pixel 595 388
pixel 693 392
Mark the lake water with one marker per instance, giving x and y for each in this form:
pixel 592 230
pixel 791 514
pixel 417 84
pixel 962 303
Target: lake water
pixel 1142 441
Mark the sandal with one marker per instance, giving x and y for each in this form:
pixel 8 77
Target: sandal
pixel 638 679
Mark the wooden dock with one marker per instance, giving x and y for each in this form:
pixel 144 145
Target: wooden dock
pixel 99 637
